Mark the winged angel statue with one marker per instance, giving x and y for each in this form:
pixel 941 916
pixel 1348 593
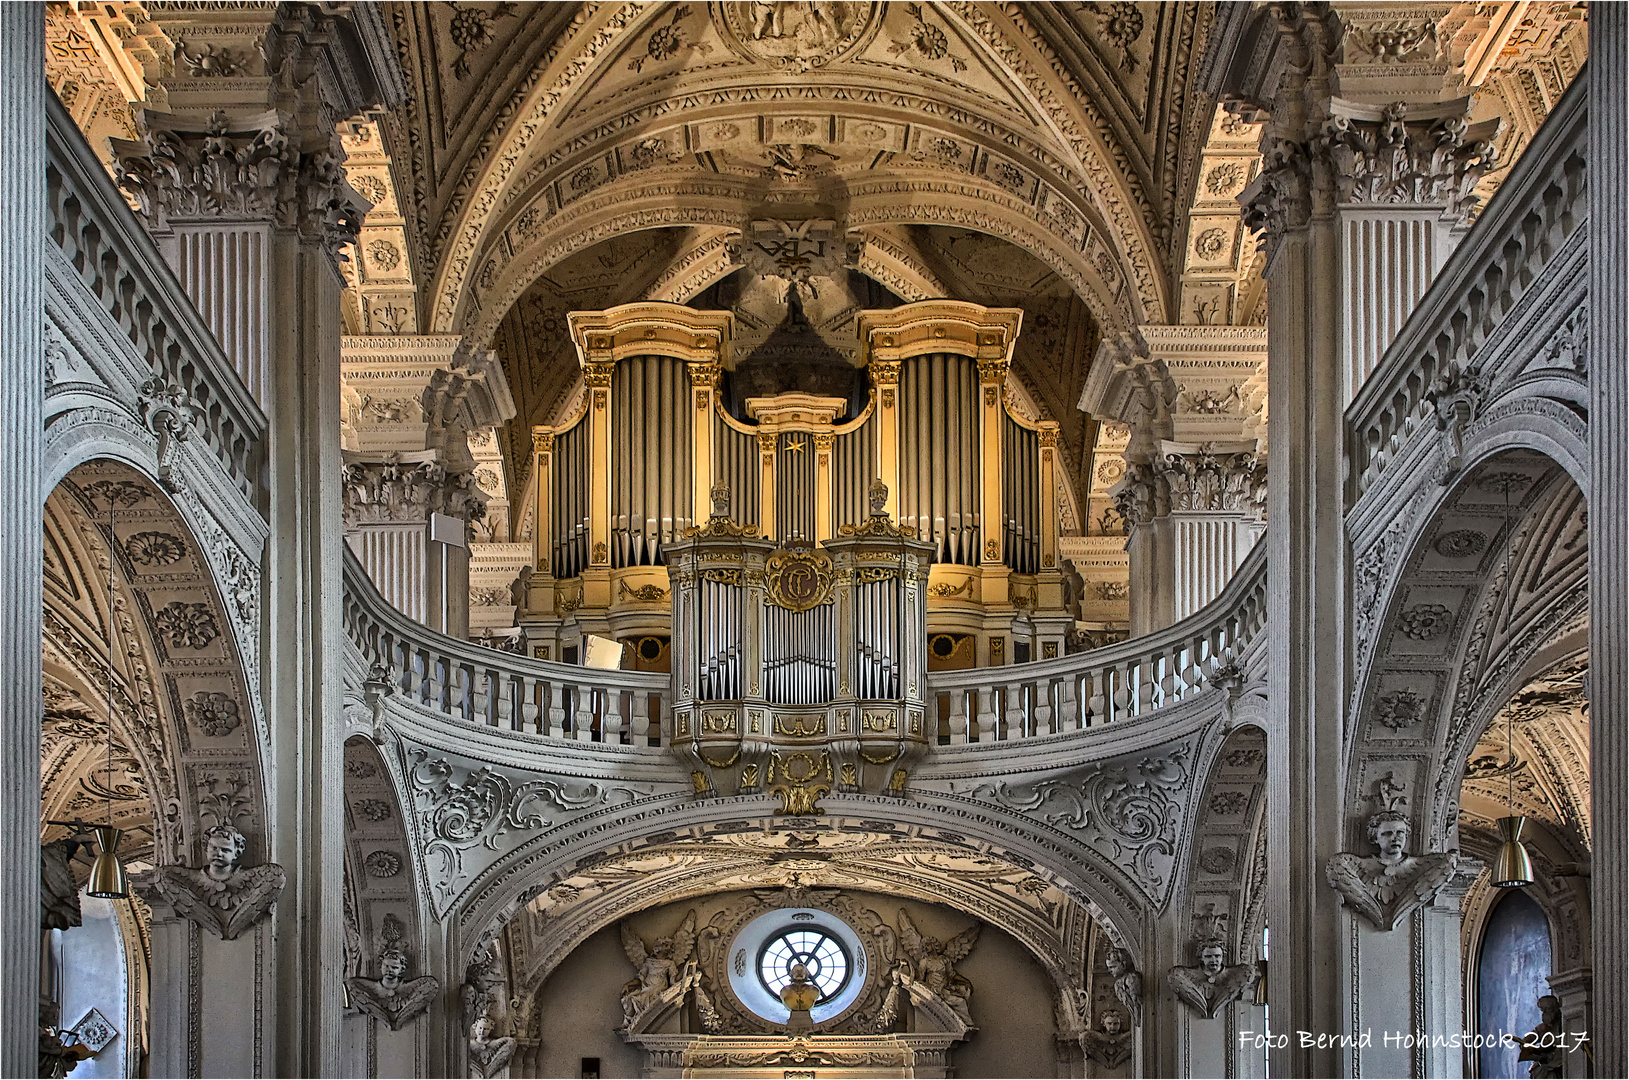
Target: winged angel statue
pixel 661 968
pixel 1387 887
pixel 934 965
pixel 393 997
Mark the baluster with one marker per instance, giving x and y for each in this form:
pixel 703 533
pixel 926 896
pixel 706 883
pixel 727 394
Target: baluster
pixel 664 719
pixel 611 720
pixel 481 697
pixel 504 713
pixel 420 687
pixel 1016 713
pixel 1068 714
pixel 436 684
pixel 553 696
pixel 1146 685
pixel 1043 706
pixel 1097 697
pixel 528 691
pixel 639 723
pixel 986 718
pixel 465 698
pixel 582 717
pixel 957 700
pixel 1121 690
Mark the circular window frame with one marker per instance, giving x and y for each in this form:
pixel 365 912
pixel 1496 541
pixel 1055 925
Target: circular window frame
pixel 742 963
pixel 826 934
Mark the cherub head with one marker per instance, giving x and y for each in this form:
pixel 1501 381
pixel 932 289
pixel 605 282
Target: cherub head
pixel 1212 955
pixel 663 947
pixel 392 966
pixel 1112 1022
pixel 223 849
pixel 480 1029
pixel 1118 962
pixel 1389 832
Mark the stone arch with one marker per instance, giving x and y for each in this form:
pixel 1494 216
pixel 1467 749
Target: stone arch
pixel 503 889
pixel 1064 151
pixel 187 707
pixel 970 203
pixel 1455 634
pixel 1225 864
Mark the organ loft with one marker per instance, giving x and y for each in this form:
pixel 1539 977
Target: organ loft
pixel 827 538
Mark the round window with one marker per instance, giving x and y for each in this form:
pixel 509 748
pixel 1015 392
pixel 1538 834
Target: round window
pixel 821 954
pixel 764 951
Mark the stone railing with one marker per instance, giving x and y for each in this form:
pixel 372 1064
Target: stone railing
pixel 472 684
pixel 120 265
pixel 1540 205
pixel 1127 681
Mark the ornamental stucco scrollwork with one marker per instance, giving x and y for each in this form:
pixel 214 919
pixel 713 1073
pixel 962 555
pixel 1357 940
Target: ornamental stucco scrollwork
pixel 465 824
pixel 1129 810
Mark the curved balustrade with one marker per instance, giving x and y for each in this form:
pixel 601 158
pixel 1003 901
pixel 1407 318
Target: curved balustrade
pixel 1121 682
pixel 473 684
pixel 1524 227
pixel 122 268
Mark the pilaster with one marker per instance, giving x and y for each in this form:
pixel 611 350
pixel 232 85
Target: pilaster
pixel 242 185
pixel 22 498
pixel 1609 531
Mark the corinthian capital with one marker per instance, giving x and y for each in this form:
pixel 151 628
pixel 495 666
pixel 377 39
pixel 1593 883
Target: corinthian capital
pixel 1425 156
pixel 248 169
pixel 401 489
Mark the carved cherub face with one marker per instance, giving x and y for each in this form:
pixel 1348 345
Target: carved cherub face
pixel 1111 1022
pixel 1116 962
pixel 479 1030
pixel 223 847
pixel 662 948
pixel 392 968
pixel 1389 832
pixel 1212 958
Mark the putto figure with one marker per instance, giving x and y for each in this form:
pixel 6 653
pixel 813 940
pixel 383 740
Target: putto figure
pixel 1110 1045
pixel 1211 983
pixel 1387 887
pixel 1128 984
pixel 486 1054
pixel 221 896
pixel 661 968
pixel 393 998
pixel 934 965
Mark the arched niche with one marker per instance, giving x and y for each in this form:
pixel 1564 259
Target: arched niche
pixel 385 1034
pixel 169 746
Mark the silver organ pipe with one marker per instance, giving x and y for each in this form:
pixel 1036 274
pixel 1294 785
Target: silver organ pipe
pixel 800 655
pixel 736 465
pixel 795 487
pixel 1020 495
pixel 854 466
pixel 651 493
pixel 569 486
pixel 939 454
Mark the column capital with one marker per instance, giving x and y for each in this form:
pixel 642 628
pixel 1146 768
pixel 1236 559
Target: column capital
pixel 405 489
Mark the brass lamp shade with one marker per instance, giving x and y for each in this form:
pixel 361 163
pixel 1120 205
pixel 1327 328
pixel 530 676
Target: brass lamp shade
pixel 107 876
pixel 1512 869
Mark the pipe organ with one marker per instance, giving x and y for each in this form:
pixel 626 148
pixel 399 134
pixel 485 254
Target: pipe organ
pixel 626 482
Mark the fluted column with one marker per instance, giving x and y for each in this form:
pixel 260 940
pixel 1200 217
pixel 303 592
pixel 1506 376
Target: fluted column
pixel 1608 73
pixel 22 498
pixel 242 185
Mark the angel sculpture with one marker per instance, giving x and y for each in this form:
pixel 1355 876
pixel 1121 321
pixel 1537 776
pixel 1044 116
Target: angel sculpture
pixel 1212 984
pixel 934 965
pixel 486 1054
pixel 1388 887
pixel 59 892
pixel 393 997
pixel 220 896
pixel 1112 1045
pixel 1128 984
pixel 661 967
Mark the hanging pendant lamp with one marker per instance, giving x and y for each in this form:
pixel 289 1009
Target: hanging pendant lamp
pixel 108 879
pixel 1512 869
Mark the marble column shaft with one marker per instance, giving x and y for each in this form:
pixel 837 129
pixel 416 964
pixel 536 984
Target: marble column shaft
pixel 22 498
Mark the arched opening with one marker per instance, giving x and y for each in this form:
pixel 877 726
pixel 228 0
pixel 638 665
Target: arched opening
pixel 1514 966
pixel 149 727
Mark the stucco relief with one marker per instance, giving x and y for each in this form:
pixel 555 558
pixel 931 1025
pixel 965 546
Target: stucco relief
pixel 1130 809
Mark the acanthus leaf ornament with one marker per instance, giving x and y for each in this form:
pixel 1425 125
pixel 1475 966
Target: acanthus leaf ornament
pixel 169 413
